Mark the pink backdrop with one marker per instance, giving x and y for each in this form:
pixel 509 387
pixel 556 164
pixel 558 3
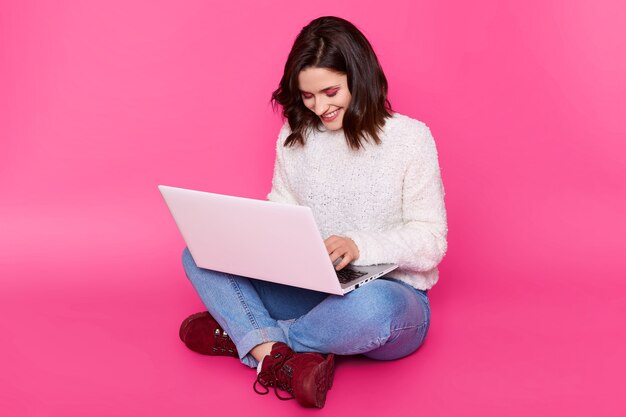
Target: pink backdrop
pixel 100 101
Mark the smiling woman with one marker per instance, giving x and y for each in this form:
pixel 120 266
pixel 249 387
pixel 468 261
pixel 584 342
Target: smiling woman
pixel 371 179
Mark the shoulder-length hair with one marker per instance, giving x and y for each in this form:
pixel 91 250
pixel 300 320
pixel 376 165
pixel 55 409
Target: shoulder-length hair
pixel 336 44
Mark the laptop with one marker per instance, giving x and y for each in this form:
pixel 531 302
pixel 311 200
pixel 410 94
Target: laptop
pixel 261 239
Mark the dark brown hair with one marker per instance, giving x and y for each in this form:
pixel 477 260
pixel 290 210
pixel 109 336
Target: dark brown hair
pixel 336 44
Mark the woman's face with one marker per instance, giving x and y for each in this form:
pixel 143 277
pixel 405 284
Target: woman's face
pixel 325 93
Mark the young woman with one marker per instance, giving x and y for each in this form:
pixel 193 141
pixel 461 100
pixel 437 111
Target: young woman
pixel 372 180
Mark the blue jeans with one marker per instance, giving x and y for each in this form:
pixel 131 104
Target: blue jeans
pixel 385 319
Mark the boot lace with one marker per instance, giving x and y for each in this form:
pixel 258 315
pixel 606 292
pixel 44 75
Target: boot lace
pixel 277 376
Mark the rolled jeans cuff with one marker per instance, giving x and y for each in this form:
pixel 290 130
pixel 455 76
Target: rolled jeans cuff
pixel 257 337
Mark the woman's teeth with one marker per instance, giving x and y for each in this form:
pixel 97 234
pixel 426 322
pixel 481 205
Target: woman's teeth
pixel 330 115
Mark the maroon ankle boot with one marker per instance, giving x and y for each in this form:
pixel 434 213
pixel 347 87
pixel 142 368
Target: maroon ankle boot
pixel 304 376
pixel 201 333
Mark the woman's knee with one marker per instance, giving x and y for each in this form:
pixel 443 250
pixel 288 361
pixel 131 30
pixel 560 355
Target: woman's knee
pixel 401 343
pixel 409 316
pixel 188 263
pixel 395 307
pixel 385 299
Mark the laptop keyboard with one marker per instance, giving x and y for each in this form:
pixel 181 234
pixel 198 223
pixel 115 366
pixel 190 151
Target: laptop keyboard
pixel 346 275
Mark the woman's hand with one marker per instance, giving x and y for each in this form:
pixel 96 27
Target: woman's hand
pixel 341 247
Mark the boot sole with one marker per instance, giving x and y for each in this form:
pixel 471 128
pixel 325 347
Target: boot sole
pixel 322 376
pixel 331 375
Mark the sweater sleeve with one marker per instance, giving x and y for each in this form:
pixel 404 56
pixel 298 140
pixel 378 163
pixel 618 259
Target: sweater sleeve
pixel 419 243
pixel 281 192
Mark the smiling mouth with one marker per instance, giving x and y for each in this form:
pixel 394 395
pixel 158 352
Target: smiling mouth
pixel 330 116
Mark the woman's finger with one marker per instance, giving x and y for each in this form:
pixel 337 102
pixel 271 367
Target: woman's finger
pixel 336 254
pixel 344 262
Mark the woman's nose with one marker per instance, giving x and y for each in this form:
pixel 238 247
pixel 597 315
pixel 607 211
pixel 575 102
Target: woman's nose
pixel 321 106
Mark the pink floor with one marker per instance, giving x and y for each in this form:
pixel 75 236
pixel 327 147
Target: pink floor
pixel 89 335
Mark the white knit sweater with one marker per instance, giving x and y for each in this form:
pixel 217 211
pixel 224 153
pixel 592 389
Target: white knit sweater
pixel 387 198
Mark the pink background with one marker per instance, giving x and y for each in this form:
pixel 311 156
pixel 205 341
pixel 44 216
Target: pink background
pixel 100 101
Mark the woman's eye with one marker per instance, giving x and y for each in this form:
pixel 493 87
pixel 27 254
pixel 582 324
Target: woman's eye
pixel 307 96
